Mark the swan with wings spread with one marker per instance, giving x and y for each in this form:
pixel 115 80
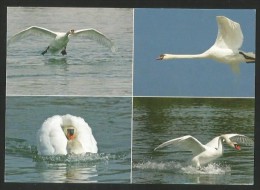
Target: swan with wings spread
pixel 60 39
pixel 203 154
pixel 226 47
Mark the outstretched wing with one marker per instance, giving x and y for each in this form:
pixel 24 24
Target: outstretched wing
pixel 97 36
pixel 229 34
pixel 240 139
pixel 32 31
pixel 185 143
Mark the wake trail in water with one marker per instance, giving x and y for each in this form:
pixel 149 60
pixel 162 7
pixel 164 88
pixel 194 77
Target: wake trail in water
pixel 21 148
pixel 177 167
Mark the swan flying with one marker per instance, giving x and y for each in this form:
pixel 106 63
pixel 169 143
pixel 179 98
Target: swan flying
pixel 60 39
pixel 203 154
pixel 225 48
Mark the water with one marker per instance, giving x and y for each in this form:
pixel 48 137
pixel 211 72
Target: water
pixel 156 120
pixel 110 120
pixel 88 68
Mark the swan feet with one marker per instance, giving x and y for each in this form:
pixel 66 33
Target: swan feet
pixel 45 51
pixel 63 52
pixel 248 58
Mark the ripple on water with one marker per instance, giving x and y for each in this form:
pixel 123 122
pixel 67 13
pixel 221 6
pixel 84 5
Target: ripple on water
pixel 177 167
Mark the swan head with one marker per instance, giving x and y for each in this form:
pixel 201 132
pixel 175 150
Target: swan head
pixel 161 57
pixel 232 144
pixel 171 56
pixel 70 32
pixel 70 132
pixel 236 146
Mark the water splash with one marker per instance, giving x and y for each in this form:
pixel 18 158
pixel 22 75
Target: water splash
pixel 20 147
pixel 212 168
pixel 178 167
pixel 162 166
pixel 88 158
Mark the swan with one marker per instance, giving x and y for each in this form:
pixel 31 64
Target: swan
pixel 60 39
pixel 225 48
pixel 67 134
pixel 203 154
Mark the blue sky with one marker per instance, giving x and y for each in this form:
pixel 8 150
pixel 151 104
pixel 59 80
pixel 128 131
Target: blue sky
pixel 188 31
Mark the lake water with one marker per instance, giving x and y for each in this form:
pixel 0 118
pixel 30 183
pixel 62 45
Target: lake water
pixel 87 69
pixel 110 120
pixel 156 120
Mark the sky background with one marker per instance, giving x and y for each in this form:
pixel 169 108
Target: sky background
pixel 188 31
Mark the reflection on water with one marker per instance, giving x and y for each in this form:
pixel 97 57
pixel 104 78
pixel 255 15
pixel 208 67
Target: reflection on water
pixel 60 60
pixel 157 120
pixel 62 173
pixel 69 168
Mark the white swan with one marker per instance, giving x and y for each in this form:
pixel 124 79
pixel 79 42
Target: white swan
pixel 203 154
pixel 60 40
pixel 226 47
pixel 65 134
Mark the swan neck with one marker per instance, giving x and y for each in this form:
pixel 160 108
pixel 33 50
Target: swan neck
pixel 68 33
pixel 74 146
pixel 220 145
pixel 185 56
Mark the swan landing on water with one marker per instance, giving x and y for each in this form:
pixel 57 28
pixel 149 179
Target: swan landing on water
pixel 67 134
pixel 60 40
pixel 203 154
pixel 226 47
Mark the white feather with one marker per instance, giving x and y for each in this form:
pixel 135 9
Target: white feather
pixel 52 140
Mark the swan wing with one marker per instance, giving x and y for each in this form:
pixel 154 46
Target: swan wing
pixel 229 34
pixel 97 36
pixel 51 138
pixel 213 143
pixel 185 143
pixel 240 139
pixel 32 31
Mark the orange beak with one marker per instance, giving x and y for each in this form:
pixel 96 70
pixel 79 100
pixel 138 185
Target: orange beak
pixel 70 134
pixel 237 147
pixel 160 57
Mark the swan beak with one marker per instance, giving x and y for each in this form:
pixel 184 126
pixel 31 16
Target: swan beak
pixel 160 57
pixel 237 147
pixel 70 134
pixel 72 31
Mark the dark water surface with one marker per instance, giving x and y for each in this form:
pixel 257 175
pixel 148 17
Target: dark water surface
pixel 156 120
